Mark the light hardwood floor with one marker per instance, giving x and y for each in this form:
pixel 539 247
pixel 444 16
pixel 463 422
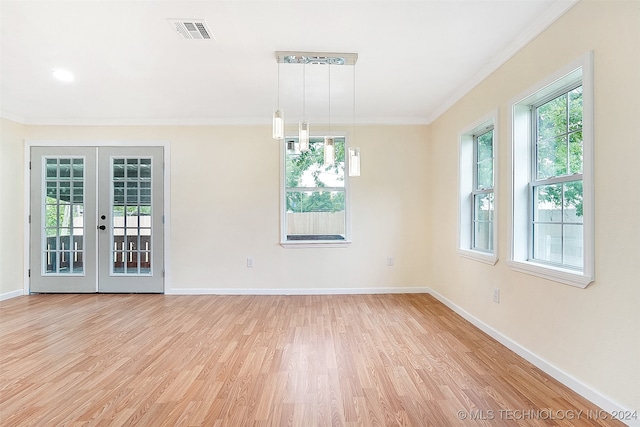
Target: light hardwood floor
pixel 331 360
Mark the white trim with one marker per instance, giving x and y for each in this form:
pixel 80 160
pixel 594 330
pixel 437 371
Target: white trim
pixel 584 390
pixel 465 187
pixel 166 145
pixel 11 294
pixel 306 244
pixel 203 121
pixel 483 257
pixel 298 291
pixel 519 155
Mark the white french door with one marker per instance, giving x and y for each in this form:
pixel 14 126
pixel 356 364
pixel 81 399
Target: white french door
pixel 96 219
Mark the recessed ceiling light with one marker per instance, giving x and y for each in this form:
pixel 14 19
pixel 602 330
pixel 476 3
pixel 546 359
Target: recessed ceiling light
pixel 63 75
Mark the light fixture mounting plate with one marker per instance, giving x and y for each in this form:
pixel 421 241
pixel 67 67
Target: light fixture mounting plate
pixel 328 58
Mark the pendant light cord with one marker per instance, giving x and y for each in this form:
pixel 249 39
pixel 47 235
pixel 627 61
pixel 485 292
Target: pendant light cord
pixel 329 99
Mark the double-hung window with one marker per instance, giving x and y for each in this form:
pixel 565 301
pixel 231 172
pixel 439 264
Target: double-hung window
pixel 552 222
pixel 314 198
pixel 483 194
pixel 556 181
pixel 477 233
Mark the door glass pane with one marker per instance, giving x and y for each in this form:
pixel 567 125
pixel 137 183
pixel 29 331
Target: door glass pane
pixel 63 219
pixel 131 213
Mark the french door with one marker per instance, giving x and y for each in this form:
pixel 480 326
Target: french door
pixel 96 219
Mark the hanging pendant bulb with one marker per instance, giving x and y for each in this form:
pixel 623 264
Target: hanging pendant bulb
pixel 278 124
pixel 354 161
pixel 329 151
pixel 303 135
pixel 278 116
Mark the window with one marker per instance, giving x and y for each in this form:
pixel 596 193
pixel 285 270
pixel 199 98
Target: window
pixel 477 197
pixel 552 166
pixel 482 194
pixel 556 181
pixel 314 202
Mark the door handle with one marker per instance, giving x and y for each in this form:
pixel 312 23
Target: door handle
pixel 102 227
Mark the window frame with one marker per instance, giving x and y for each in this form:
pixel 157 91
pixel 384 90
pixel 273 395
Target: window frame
pixel 467 188
pixel 314 243
pixel 522 166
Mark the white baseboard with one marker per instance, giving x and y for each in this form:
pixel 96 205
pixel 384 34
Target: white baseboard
pixel 597 398
pixel 295 291
pixel 11 294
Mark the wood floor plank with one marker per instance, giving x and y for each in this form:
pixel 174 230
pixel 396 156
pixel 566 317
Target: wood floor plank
pixel 312 360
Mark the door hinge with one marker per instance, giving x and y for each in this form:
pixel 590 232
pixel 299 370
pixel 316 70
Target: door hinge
pixel 29 272
pixel 29 164
pixel 162 273
pixel 163 219
pixel 29 219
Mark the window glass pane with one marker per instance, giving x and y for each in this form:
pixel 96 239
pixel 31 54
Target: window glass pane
pixel 572 204
pixel 575 152
pixel 551 157
pixel 547 205
pixel 552 118
pixel 483 222
pixel 485 175
pixel 315 213
pixel 573 245
pixel 575 109
pixel 547 242
pixel 485 146
pixel 307 169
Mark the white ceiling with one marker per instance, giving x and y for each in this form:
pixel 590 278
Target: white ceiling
pixel 415 58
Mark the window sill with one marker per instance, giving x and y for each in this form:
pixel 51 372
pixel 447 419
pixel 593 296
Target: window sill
pixel 301 244
pixel 568 277
pixel 483 257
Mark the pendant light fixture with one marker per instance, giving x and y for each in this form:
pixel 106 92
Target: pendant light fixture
pixel 278 116
pixel 317 58
pixel 303 127
pixel 329 140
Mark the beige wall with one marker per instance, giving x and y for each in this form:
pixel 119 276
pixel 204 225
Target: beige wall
pixel 225 208
pixel 591 334
pixel 11 207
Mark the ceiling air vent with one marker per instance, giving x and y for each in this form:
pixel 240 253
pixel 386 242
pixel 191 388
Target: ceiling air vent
pixel 191 29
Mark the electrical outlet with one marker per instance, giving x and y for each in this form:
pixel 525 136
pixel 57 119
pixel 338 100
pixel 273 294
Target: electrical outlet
pixel 390 261
pixel 250 262
pixel 496 295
